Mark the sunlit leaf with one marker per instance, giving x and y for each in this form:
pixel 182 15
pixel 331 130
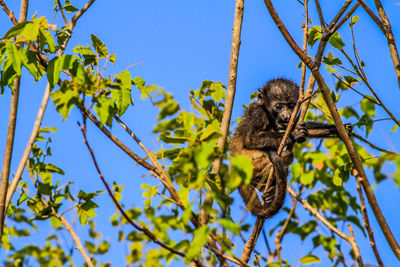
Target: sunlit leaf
pixel 310 259
pixel 100 47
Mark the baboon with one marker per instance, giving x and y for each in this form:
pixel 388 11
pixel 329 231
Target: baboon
pixel 258 136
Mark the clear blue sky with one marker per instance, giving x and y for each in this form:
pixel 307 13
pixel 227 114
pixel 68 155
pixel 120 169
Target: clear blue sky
pixel 178 45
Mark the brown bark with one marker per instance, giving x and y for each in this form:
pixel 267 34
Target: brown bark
pixel 5 173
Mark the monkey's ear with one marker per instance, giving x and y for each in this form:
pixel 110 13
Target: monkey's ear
pixel 260 93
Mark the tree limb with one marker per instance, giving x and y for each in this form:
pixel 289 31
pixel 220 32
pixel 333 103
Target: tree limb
pixel 341 129
pixel 12 119
pixel 226 117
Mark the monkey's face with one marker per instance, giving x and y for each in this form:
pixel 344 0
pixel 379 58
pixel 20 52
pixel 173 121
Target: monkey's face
pixel 279 97
pixel 281 110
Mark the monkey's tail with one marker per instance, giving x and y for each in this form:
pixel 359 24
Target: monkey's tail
pixel 275 196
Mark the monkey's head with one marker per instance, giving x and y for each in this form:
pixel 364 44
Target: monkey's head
pixel 279 97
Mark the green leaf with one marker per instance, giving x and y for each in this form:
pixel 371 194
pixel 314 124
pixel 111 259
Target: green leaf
pixel 354 20
pixel 86 211
pixel 17 29
pixel 241 171
pixel 30 62
pixel 46 37
pixel 100 47
pixel 70 8
pixel 122 95
pixel 368 106
pixel 56 65
pixel 336 41
pixel 83 50
pixel 309 259
pixel 113 57
pixel 22 198
pixel 218 92
pixel 314 34
pixel 31 31
pixel 307 178
pixel 14 56
pixel 104 109
pixel 200 236
pixel 230 226
pixel 103 248
pixel 64 99
pixel 53 168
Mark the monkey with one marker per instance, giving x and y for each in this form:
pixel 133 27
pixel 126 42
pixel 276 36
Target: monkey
pixel 258 136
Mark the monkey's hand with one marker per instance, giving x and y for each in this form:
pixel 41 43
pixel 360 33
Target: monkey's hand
pixel 300 133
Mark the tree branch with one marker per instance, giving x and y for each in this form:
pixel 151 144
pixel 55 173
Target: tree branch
pixel 119 207
pixel 341 129
pixel 386 28
pixel 226 117
pixel 9 13
pixel 367 225
pixel 38 121
pixel 12 119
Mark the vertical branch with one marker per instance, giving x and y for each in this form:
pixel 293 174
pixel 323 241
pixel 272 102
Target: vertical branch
pixel 39 117
pixel 280 234
pixel 76 239
pixel 341 129
pixel 355 247
pixel 389 38
pixel 12 119
pixel 226 117
pixel 368 226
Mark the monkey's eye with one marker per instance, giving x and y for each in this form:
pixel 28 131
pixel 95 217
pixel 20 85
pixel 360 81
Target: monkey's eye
pixel 292 105
pixel 278 106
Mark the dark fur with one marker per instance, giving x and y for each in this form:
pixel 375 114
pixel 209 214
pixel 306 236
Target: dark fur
pixel 258 136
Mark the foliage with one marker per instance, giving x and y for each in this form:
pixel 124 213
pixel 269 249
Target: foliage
pixel 188 147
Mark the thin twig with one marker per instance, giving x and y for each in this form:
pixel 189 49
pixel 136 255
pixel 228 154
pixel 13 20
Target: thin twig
pixel 367 225
pixel 62 13
pixel 355 247
pixel 9 13
pixel 64 222
pixel 372 145
pixel 386 27
pixel 364 78
pixel 280 234
pixel 116 203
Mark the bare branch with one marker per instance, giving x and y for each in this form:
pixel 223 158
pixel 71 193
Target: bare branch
pixel 371 13
pixel 62 13
pixel 367 225
pixel 320 15
pixel 9 13
pixel 354 245
pixel 75 237
pixel 386 28
pixel 372 145
pixel 226 117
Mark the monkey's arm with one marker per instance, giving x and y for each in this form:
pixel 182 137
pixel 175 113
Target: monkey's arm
pixel 321 130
